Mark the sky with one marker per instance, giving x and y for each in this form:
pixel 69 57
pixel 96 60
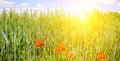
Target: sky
pixel 104 5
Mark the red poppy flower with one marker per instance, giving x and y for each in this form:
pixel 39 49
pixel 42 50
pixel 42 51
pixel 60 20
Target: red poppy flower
pixel 39 43
pixel 101 56
pixel 60 47
pixel 68 54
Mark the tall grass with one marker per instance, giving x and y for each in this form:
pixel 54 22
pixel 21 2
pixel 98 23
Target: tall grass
pixel 19 32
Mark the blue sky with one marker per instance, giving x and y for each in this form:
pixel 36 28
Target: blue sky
pixel 111 5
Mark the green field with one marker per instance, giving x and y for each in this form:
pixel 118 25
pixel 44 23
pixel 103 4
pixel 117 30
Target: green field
pixel 100 31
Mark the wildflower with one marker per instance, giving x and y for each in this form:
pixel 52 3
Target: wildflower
pixel 101 56
pixel 60 47
pixel 68 54
pixel 39 43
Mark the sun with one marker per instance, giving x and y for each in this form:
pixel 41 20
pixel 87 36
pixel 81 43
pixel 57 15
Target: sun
pixel 78 12
pixel 83 17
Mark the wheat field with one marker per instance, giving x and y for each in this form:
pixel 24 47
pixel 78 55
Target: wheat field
pixel 84 39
